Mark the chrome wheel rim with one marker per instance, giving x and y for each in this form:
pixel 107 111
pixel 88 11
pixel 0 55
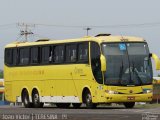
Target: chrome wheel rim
pixel 36 98
pixel 88 98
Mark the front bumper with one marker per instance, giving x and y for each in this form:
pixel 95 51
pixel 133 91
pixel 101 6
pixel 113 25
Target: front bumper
pixel 128 98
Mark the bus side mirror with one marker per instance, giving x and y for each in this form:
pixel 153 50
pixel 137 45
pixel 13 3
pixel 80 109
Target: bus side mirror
pixel 103 63
pixel 156 60
pixel 150 55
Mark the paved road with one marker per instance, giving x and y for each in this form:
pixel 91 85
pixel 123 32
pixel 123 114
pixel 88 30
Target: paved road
pixel 101 113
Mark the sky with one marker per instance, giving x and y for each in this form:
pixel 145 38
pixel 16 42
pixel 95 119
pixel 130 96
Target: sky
pixel 83 13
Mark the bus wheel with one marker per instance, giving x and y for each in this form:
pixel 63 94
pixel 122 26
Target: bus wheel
pixel 76 105
pixel 88 100
pixel 63 105
pixel 129 104
pixel 36 100
pixel 25 99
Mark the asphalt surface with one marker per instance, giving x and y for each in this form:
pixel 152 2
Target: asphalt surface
pixel 100 113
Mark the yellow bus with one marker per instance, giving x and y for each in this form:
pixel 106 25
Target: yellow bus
pixel 90 70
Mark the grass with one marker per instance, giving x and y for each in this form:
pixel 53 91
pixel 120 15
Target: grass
pixel 1 75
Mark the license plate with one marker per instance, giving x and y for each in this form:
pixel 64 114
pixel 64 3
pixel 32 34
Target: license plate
pixel 130 98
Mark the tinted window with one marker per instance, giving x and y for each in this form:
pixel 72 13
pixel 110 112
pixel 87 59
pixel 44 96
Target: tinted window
pixel 15 56
pixel 83 52
pixel 58 54
pixel 8 56
pixel 34 55
pixel 24 56
pixel 46 54
pixel 71 53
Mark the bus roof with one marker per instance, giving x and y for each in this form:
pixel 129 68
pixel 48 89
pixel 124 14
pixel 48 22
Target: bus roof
pixel 98 39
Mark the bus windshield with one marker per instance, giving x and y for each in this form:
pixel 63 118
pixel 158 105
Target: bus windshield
pixel 128 64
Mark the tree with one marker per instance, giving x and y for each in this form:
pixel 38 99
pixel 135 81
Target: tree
pixel 1 74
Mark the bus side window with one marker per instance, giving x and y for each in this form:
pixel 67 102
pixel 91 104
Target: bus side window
pixel 58 54
pixel 15 56
pixel 95 62
pixel 83 52
pixel 71 53
pixel 8 57
pixel 35 55
pixel 24 56
pixel 46 56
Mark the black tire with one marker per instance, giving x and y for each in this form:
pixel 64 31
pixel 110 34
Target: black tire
pixel 88 100
pixel 129 104
pixel 36 100
pixel 25 99
pixel 63 105
pixel 76 105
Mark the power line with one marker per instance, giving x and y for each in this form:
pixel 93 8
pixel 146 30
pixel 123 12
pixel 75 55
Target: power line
pixel 85 26
pixel 128 25
pixel 103 26
pixel 4 25
pixel 53 25
pixel 7 26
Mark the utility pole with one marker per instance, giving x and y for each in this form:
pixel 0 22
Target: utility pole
pixel 25 32
pixel 87 29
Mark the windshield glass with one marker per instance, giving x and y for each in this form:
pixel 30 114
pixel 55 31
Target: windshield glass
pixel 127 64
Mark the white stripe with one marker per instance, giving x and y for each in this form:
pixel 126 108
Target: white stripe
pixel 18 99
pixel 55 99
pixel 60 99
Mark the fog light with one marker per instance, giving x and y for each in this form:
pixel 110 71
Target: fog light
pixel 111 92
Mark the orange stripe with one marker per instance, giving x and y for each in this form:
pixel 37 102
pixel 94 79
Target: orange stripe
pixel 1 91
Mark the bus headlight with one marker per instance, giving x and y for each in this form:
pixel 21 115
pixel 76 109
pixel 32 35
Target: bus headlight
pixel 147 90
pixel 111 92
